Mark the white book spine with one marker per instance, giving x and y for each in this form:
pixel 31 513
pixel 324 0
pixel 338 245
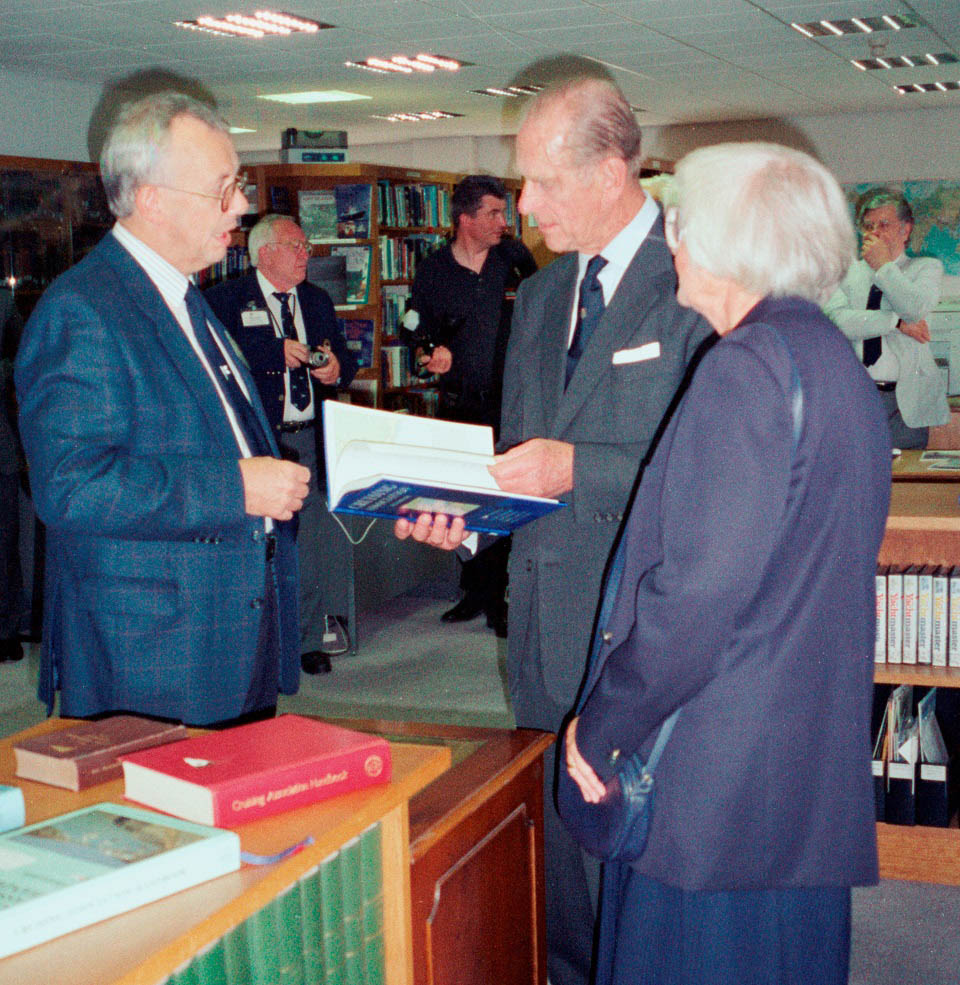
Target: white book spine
pixel 953 633
pixel 940 609
pixel 910 616
pixel 924 617
pixel 880 640
pixel 894 617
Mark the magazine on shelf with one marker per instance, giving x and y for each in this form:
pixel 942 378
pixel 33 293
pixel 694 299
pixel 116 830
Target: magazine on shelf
pixel 383 464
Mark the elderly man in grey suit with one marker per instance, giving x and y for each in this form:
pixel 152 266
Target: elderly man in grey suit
pixel 11 579
pixel 598 348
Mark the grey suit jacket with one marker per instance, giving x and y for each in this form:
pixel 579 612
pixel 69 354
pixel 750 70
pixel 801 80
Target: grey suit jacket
pixel 610 413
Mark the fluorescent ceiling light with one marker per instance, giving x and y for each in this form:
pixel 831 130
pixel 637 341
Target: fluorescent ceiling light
pixel 417 117
pixel 904 61
pixel 322 96
pixel 241 130
pixel 407 65
pixel 838 26
pixel 264 23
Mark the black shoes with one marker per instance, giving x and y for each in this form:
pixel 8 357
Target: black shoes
pixel 315 662
pixel 10 650
pixel 469 607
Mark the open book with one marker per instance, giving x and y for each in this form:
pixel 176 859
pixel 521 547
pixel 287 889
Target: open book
pixel 388 465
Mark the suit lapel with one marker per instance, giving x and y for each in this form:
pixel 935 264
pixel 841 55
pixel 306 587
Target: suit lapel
pixel 618 324
pixel 555 335
pixel 142 293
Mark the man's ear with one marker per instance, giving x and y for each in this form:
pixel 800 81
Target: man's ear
pixel 147 202
pixel 612 176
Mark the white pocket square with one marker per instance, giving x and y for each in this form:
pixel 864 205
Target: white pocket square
pixel 650 350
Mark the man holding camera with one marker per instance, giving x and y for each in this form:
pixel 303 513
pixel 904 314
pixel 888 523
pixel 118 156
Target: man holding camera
pixel 460 311
pixel 287 331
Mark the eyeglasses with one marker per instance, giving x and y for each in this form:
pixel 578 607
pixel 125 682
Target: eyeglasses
pixel 293 244
pixel 671 228
pixel 239 184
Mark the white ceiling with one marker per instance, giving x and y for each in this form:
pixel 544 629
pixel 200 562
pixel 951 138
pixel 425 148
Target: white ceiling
pixel 680 61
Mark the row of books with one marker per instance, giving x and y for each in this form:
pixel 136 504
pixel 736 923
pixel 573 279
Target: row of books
pixel 236 261
pixel 413 205
pixel 393 303
pixel 918 615
pixel 399 255
pixel 327 929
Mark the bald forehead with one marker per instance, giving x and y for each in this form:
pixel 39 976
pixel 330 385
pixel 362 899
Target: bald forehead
pixel 545 131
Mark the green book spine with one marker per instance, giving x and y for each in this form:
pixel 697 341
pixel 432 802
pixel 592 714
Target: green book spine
pixel 311 928
pixel 209 965
pixel 371 884
pixel 236 958
pixel 331 920
pixel 290 942
pixel 351 890
pixel 263 952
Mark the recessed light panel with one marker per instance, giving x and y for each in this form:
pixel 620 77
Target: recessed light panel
pixel 407 65
pixel 909 90
pixel 509 92
pixel 904 61
pixel 323 96
pixel 262 24
pixel 854 25
pixel 418 117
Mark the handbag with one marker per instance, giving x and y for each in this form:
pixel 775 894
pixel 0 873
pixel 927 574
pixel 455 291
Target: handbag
pixel 616 828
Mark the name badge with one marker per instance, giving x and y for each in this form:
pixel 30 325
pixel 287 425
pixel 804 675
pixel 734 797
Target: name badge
pixel 258 316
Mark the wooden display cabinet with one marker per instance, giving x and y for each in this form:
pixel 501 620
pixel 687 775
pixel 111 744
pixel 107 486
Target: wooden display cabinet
pixel 923 528
pixel 462 868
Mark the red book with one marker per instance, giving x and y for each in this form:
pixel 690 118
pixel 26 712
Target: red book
pixel 86 753
pixel 251 771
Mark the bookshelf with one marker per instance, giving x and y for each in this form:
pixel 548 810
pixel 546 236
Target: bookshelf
pixel 923 527
pixel 51 214
pixel 408 216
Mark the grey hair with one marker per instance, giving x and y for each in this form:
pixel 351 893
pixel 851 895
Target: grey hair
pixel 138 140
pixel 599 121
pixel 875 198
pixel 262 234
pixel 770 218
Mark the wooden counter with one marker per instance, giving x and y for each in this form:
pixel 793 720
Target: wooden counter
pixel 145 945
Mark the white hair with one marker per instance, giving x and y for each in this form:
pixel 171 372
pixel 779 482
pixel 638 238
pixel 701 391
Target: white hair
pixel 770 218
pixel 262 234
pixel 138 140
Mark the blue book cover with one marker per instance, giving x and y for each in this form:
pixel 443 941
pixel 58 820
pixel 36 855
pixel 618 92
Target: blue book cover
pixel 353 211
pixel 383 464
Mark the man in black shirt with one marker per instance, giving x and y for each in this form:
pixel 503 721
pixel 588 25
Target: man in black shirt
pixel 460 313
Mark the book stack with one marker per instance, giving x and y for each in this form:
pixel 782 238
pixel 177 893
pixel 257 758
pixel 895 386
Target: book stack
pixel 918 615
pixel 395 364
pixel 327 929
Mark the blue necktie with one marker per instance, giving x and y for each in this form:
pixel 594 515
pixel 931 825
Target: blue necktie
pixel 200 316
pixel 872 347
pixel 589 312
pixel 299 381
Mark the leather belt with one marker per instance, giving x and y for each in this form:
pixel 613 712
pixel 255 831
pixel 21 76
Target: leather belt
pixel 292 427
pixel 885 387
